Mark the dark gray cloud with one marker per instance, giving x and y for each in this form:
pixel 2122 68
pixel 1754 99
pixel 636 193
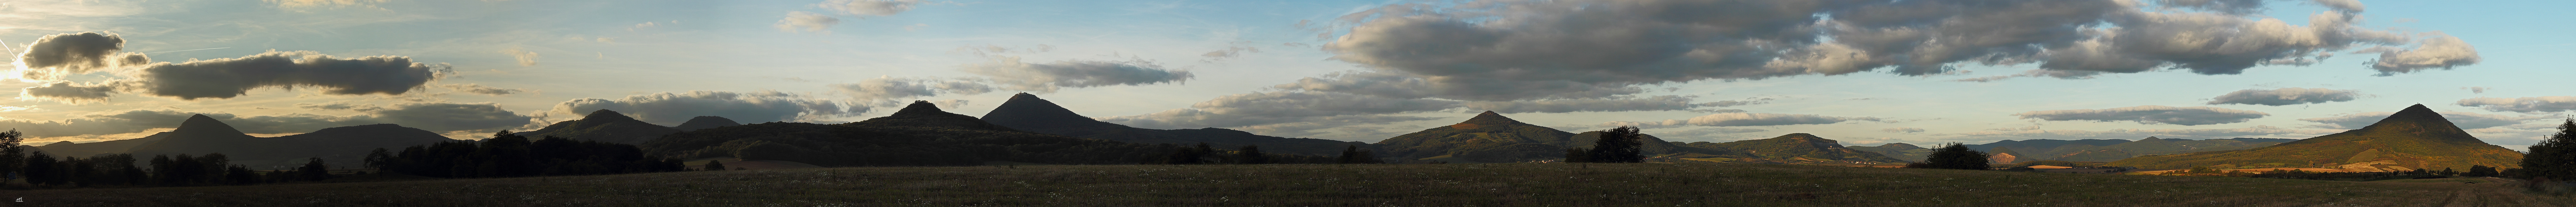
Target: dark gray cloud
pixel 2059 74
pixel 748 107
pixel 68 92
pixel 2524 104
pixel 1047 77
pixel 1656 103
pixel 2465 120
pixel 229 77
pixel 2285 96
pixel 1490 50
pixel 480 89
pixel 54 56
pixel 440 117
pixel 1740 119
pixel 889 88
pixel 2186 116
pixel 1266 108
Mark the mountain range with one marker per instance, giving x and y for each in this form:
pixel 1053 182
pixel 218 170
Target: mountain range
pixel 1027 112
pixel 605 126
pixel 918 135
pixel 1490 137
pixel 2413 138
pixel 2086 150
pixel 199 135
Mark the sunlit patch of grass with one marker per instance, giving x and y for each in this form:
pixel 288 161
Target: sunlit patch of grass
pixel 1507 184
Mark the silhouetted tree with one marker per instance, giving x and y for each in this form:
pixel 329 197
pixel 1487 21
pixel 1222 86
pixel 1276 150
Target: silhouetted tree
pixel 715 165
pixel 2446 172
pixel 313 170
pixel 510 155
pixel 378 159
pixel 2480 171
pixel 1952 156
pixel 1577 154
pixel 2554 158
pixel 11 157
pixel 1251 154
pixel 1353 155
pixel 41 169
pixel 240 175
pixel 1618 145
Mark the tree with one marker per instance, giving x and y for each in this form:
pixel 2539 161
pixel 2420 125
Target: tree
pixel 41 169
pixel 313 170
pixel 2553 158
pixel 1577 154
pixel 378 159
pixel 1353 155
pixel 11 157
pixel 2480 171
pixel 1618 145
pixel 1251 154
pixel 1953 156
pixel 715 165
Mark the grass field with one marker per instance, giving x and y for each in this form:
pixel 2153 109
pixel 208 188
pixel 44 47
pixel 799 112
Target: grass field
pixel 1525 184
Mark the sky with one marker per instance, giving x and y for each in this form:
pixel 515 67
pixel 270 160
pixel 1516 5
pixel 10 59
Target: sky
pixel 1865 72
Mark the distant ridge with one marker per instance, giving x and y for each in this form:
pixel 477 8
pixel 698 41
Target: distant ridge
pixel 200 135
pixel 705 122
pixel 925 114
pixel 2414 138
pixel 1487 138
pixel 1028 112
pixel 603 125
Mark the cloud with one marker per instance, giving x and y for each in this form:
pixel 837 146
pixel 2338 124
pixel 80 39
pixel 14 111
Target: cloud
pixel 55 56
pixel 324 3
pixel 527 58
pixel 2186 116
pixel 1264 108
pixel 68 92
pixel 2478 89
pixel 2524 104
pixel 2440 51
pixel 1359 126
pixel 480 89
pixel 2465 120
pixel 748 107
pixel 229 77
pixel 2284 96
pixel 1746 101
pixel 1656 103
pixel 1906 130
pixel 1228 52
pixel 2059 74
pixel 2256 131
pixel 1008 70
pixel 865 8
pixel 437 117
pixel 1740 119
pixel 1457 50
pixel 808 21
pixel 888 88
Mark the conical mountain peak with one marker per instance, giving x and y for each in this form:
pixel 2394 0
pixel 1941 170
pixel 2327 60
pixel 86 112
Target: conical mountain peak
pixel 2420 121
pixel 605 114
pixel 2417 112
pixel 919 107
pixel 706 122
pixel 201 124
pixel 1489 117
pixel 925 114
pixel 1025 111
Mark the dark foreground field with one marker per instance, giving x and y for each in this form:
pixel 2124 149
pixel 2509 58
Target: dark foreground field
pixel 1326 185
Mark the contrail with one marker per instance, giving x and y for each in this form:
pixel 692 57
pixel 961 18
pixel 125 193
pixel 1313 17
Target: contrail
pixel 187 50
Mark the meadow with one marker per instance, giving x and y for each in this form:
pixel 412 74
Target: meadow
pixel 1513 184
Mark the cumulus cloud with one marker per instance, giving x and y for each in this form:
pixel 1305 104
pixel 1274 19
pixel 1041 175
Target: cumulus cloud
pixel 1907 130
pixel 2440 51
pixel 2284 96
pixel 1228 52
pixel 868 7
pixel 1393 84
pixel 67 91
pixel 229 77
pixel 2465 120
pixel 1265 108
pixel 1740 119
pixel 527 58
pixel 1008 70
pixel 2186 116
pixel 440 117
pixel 806 21
pixel 1455 50
pixel 480 89
pixel 2523 104
pixel 2256 131
pixel 748 107
pixel 889 88
pixel 55 56
pixel 1656 103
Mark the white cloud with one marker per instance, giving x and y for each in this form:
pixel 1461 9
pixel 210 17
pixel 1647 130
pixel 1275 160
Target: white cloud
pixel 888 88
pixel 869 7
pixel 2285 96
pixel 1906 130
pixel 2186 116
pixel 2523 104
pixel 527 58
pixel 806 21
pixel 1047 77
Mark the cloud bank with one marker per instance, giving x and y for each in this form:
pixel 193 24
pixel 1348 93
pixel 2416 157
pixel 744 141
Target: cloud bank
pixel 748 107
pixel 1740 119
pixel 2285 96
pixel 2523 104
pixel 2186 116
pixel 1047 77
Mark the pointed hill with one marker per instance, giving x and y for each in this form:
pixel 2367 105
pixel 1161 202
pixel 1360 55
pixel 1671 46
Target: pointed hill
pixel 1899 151
pixel 1796 148
pixel 1029 113
pixel 1486 138
pixel 925 114
pixel 2414 138
pixel 919 135
pixel 605 126
pixel 706 122
pixel 104 147
pixel 201 135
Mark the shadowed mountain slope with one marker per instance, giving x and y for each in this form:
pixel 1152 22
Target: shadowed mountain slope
pixel 1489 137
pixel 605 126
pixel 2414 138
pixel 1029 113
pixel 338 145
pixel 919 135
pixel 705 122
pixel 1796 148
pixel 1899 151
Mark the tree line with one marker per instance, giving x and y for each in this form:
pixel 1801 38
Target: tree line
pixel 40 169
pixel 511 155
